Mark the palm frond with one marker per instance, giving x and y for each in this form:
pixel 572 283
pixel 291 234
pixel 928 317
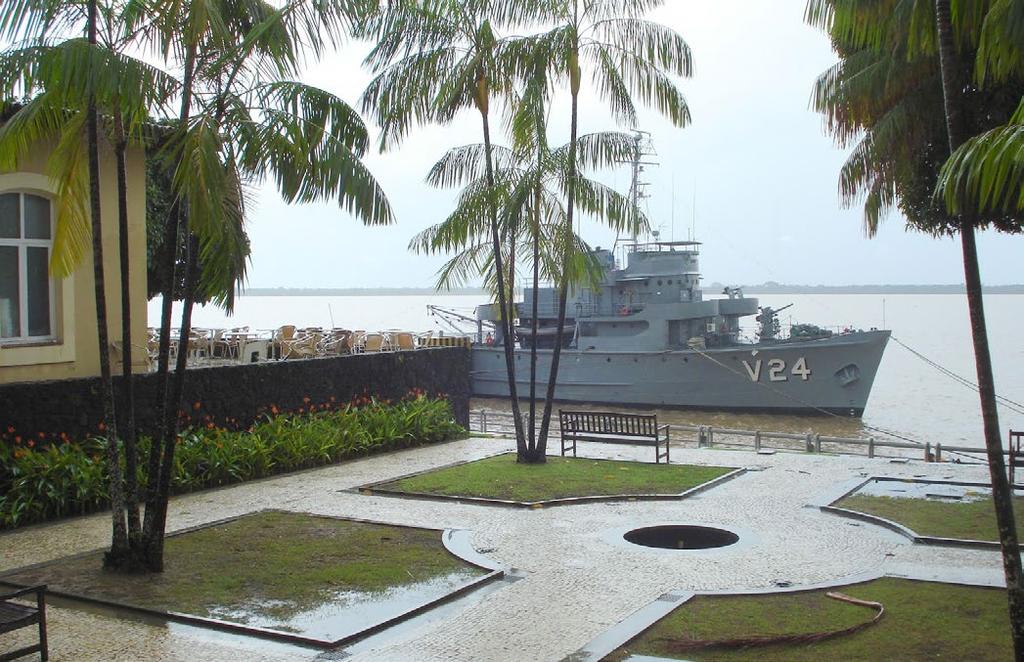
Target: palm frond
pixel 402 95
pixel 224 249
pixel 1001 44
pixel 609 78
pixel 468 163
pixel 659 46
pixel 986 174
pixel 68 167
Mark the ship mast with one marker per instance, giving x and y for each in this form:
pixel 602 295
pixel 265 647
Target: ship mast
pixel 644 147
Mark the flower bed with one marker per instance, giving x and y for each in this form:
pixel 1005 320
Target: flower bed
pixel 54 477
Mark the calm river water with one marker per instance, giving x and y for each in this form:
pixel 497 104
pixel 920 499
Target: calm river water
pixel 909 396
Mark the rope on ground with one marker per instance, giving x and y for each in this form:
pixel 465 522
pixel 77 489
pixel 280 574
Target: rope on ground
pixel 682 645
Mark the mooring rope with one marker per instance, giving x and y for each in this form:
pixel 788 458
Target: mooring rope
pixel 826 412
pixel 1012 405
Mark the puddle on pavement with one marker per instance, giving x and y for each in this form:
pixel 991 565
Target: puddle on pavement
pixel 317 578
pixel 897 489
pixel 343 613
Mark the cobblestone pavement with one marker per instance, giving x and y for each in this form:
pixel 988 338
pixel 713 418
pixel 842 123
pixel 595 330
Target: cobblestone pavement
pixel 579 576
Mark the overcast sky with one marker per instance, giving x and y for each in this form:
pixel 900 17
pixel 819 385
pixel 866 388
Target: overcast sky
pixel 754 175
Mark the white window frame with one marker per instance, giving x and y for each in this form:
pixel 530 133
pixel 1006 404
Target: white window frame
pixel 23 244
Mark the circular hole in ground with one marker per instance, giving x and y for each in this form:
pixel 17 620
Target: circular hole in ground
pixel 681 536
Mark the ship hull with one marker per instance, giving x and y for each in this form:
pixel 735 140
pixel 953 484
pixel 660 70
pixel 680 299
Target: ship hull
pixel 830 375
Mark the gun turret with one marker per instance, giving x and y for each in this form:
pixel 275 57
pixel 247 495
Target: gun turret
pixel 769 323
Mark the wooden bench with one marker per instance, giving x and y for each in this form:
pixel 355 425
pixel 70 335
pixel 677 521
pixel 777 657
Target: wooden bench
pixel 613 427
pixel 15 615
pixel 1016 453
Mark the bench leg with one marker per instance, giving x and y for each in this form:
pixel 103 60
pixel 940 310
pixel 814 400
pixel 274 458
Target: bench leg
pixel 44 653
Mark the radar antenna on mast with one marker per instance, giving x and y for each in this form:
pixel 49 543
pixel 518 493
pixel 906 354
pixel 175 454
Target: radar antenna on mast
pixel 643 148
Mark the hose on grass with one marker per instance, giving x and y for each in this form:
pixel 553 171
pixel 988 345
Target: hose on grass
pixel 676 644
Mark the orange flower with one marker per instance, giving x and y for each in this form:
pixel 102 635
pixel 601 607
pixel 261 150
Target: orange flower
pixel 30 443
pixel 306 399
pixel 195 405
pixel 101 426
pixel 273 409
pixel 41 435
pixel 17 439
pixel 209 426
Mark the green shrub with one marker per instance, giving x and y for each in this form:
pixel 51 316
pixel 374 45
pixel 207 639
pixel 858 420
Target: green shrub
pixel 61 479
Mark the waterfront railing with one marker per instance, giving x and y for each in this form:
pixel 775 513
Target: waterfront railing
pixel 489 421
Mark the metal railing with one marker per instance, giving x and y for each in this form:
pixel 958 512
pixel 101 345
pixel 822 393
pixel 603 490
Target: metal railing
pixel 489 421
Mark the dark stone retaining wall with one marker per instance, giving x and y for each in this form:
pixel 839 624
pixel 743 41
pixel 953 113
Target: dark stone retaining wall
pixel 235 396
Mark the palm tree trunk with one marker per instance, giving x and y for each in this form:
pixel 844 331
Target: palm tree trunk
pixel 158 518
pixel 119 537
pixel 534 310
pixel 563 286
pixel 155 520
pixel 503 298
pixel 170 245
pixel 127 376
pixel 1002 494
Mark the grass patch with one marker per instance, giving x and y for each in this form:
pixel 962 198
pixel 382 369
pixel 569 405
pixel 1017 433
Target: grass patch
pixel 501 477
pixel 966 520
pixel 267 568
pixel 923 621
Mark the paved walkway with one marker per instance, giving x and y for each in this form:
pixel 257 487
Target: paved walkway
pixel 580 578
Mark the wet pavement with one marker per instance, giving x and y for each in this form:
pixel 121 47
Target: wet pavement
pixel 579 577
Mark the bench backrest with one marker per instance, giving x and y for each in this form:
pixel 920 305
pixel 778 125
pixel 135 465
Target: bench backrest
pixel 610 423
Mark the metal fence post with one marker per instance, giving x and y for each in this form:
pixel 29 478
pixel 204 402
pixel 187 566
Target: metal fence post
pixel 757 440
pixel 483 421
pixel 810 442
pixel 938 452
pixel 928 451
pixel 817 443
pixel 871 446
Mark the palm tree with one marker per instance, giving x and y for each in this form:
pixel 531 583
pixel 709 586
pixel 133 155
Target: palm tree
pixel 242 120
pixel 35 20
pixel 884 98
pixel 628 56
pixel 899 80
pixel 434 58
pixel 530 185
pixel 1002 492
pixel 66 83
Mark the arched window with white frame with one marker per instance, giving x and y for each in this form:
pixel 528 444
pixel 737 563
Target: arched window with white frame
pixel 27 310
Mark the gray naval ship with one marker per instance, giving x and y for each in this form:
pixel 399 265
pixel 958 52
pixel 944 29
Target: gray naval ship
pixel 646 336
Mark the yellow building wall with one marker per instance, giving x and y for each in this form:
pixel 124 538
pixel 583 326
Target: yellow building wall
pixel 75 353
